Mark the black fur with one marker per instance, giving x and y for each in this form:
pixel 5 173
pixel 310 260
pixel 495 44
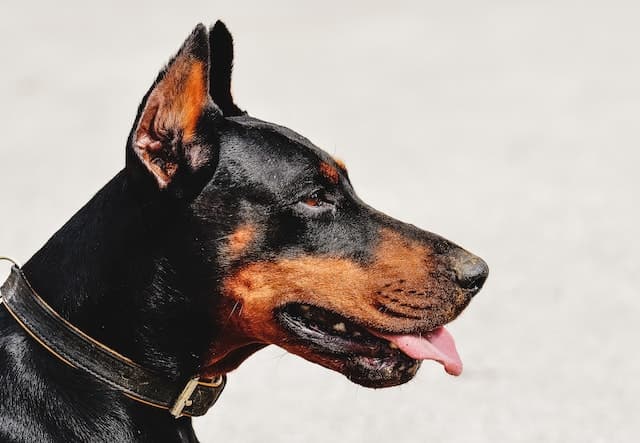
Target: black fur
pixel 221 44
pixel 140 269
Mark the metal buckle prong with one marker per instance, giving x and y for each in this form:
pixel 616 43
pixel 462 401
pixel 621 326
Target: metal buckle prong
pixel 184 397
pixel 212 383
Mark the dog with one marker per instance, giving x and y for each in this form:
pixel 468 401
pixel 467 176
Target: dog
pixel 222 234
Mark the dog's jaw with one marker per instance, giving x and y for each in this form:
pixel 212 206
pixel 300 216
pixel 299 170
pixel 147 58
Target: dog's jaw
pixel 373 322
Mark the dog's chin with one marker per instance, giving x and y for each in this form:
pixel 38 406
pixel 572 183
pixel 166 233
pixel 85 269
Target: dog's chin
pixel 329 339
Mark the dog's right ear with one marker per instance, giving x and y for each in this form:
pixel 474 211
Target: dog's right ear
pixel 165 137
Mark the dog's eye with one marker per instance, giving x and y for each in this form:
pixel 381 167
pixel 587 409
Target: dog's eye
pixel 318 199
pixel 314 200
pixel 316 203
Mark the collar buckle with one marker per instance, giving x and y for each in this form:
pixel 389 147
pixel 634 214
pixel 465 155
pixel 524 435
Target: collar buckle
pixel 184 399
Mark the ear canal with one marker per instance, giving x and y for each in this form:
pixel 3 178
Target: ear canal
pixel 221 46
pixel 165 136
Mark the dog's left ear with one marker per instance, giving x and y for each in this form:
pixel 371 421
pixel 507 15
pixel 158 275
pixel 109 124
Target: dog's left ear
pixel 221 46
pixel 165 136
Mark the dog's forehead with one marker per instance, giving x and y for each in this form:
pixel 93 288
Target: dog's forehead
pixel 277 138
pixel 265 152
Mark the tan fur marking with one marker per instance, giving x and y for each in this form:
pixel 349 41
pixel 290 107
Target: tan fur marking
pixel 174 107
pixel 182 93
pixel 240 240
pixel 193 98
pixel 329 172
pixel 346 287
pixel 403 279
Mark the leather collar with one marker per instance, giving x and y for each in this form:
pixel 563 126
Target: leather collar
pixel 191 398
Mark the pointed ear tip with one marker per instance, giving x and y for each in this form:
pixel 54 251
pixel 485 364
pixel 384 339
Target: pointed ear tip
pixel 219 24
pixel 220 28
pixel 200 32
pixel 198 42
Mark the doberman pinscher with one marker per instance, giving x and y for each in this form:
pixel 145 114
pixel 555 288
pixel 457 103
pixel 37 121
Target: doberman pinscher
pixel 222 234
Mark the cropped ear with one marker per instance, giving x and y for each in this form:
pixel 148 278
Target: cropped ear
pixel 221 46
pixel 165 137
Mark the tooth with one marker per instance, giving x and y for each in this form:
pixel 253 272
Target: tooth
pixel 306 311
pixel 340 327
pixel 356 334
pixel 393 345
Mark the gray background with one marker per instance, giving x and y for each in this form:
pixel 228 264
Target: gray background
pixel 509 127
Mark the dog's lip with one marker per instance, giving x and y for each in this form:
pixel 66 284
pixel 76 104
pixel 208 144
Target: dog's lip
pixel 436 344
pixel 337 336
pixel 336 342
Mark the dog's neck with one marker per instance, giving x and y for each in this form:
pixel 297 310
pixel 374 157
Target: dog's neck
pixel 113 272
pixel 117 275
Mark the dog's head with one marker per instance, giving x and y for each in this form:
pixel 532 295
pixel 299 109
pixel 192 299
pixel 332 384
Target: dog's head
pixel 286 252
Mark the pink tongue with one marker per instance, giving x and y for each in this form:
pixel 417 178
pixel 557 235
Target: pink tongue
pixel 436 345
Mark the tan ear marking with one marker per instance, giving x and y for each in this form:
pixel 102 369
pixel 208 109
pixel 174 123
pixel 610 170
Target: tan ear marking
pixel 179 99
pixel 195 95
pixel 171 113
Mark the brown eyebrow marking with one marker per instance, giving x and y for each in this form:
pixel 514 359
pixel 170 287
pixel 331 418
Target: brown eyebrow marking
pixel 329 172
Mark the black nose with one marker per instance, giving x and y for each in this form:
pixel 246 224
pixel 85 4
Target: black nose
pixel 470 271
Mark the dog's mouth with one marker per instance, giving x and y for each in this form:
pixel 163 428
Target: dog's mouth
pixel 368 357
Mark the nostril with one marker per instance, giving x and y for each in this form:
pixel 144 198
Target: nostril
pixel 471 271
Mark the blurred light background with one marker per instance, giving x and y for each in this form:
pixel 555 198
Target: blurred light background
pixel 510 127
